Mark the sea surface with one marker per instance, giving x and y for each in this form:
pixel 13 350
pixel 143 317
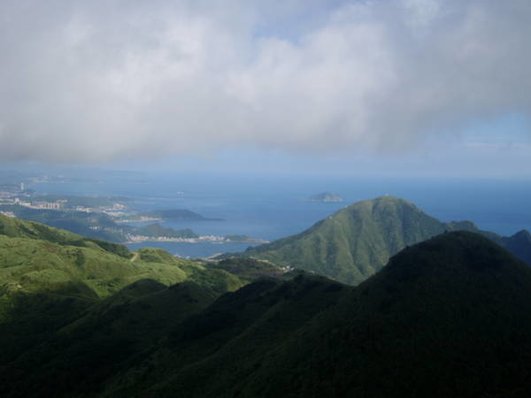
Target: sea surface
pixel 272 207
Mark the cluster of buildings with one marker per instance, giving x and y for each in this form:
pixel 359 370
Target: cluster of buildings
pixel 18 195
pixel 10 193
pixel 56 205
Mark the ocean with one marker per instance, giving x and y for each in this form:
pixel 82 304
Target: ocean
pixel 272 207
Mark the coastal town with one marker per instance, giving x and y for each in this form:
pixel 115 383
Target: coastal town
pixel 107 218
pixel 18 195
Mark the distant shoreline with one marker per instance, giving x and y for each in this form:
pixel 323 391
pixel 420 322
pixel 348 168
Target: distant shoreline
pixel 214 239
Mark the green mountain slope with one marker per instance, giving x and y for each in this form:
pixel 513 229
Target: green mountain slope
pixel 50 278
pixel 231 334
pixel 446 318
pixel 96 225
pixel 105 339
pixel 251 269
pixel 32 265
pixel 37 258
pixel 357 241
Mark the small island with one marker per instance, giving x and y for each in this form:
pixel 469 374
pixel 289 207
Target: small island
pixel 326 197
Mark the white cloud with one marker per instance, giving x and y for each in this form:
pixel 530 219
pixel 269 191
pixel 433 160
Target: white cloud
pixel 104 80
pixel 422 13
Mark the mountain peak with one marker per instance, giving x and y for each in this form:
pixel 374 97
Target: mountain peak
pixel 382 200
pixel 358 240
pixel 455 250
pixel 519 244
pixel 522 235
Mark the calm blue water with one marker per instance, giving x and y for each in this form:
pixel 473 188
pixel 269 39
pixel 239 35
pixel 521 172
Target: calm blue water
pixel 274 207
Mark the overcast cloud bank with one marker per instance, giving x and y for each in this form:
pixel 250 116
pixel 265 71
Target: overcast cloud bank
pixel 103 80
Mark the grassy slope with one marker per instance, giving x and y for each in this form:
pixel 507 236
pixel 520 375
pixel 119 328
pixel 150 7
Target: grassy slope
pixel 16 228
pixel 32 265
pixel 37 258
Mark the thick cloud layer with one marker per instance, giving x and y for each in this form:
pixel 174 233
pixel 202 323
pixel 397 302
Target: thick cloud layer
pixel 99 80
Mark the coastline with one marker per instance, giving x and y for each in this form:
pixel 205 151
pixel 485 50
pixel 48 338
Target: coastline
pixel 215 239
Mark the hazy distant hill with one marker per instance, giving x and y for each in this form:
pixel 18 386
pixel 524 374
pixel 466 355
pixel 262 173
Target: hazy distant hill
pixel 519 244
pixel 357 241
pixel 90 224
pixel 178 214
pixel 157 230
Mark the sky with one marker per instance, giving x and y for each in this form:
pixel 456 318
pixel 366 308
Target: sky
pixel 417 87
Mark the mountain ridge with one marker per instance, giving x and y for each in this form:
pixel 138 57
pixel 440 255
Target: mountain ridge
pixel 446 317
